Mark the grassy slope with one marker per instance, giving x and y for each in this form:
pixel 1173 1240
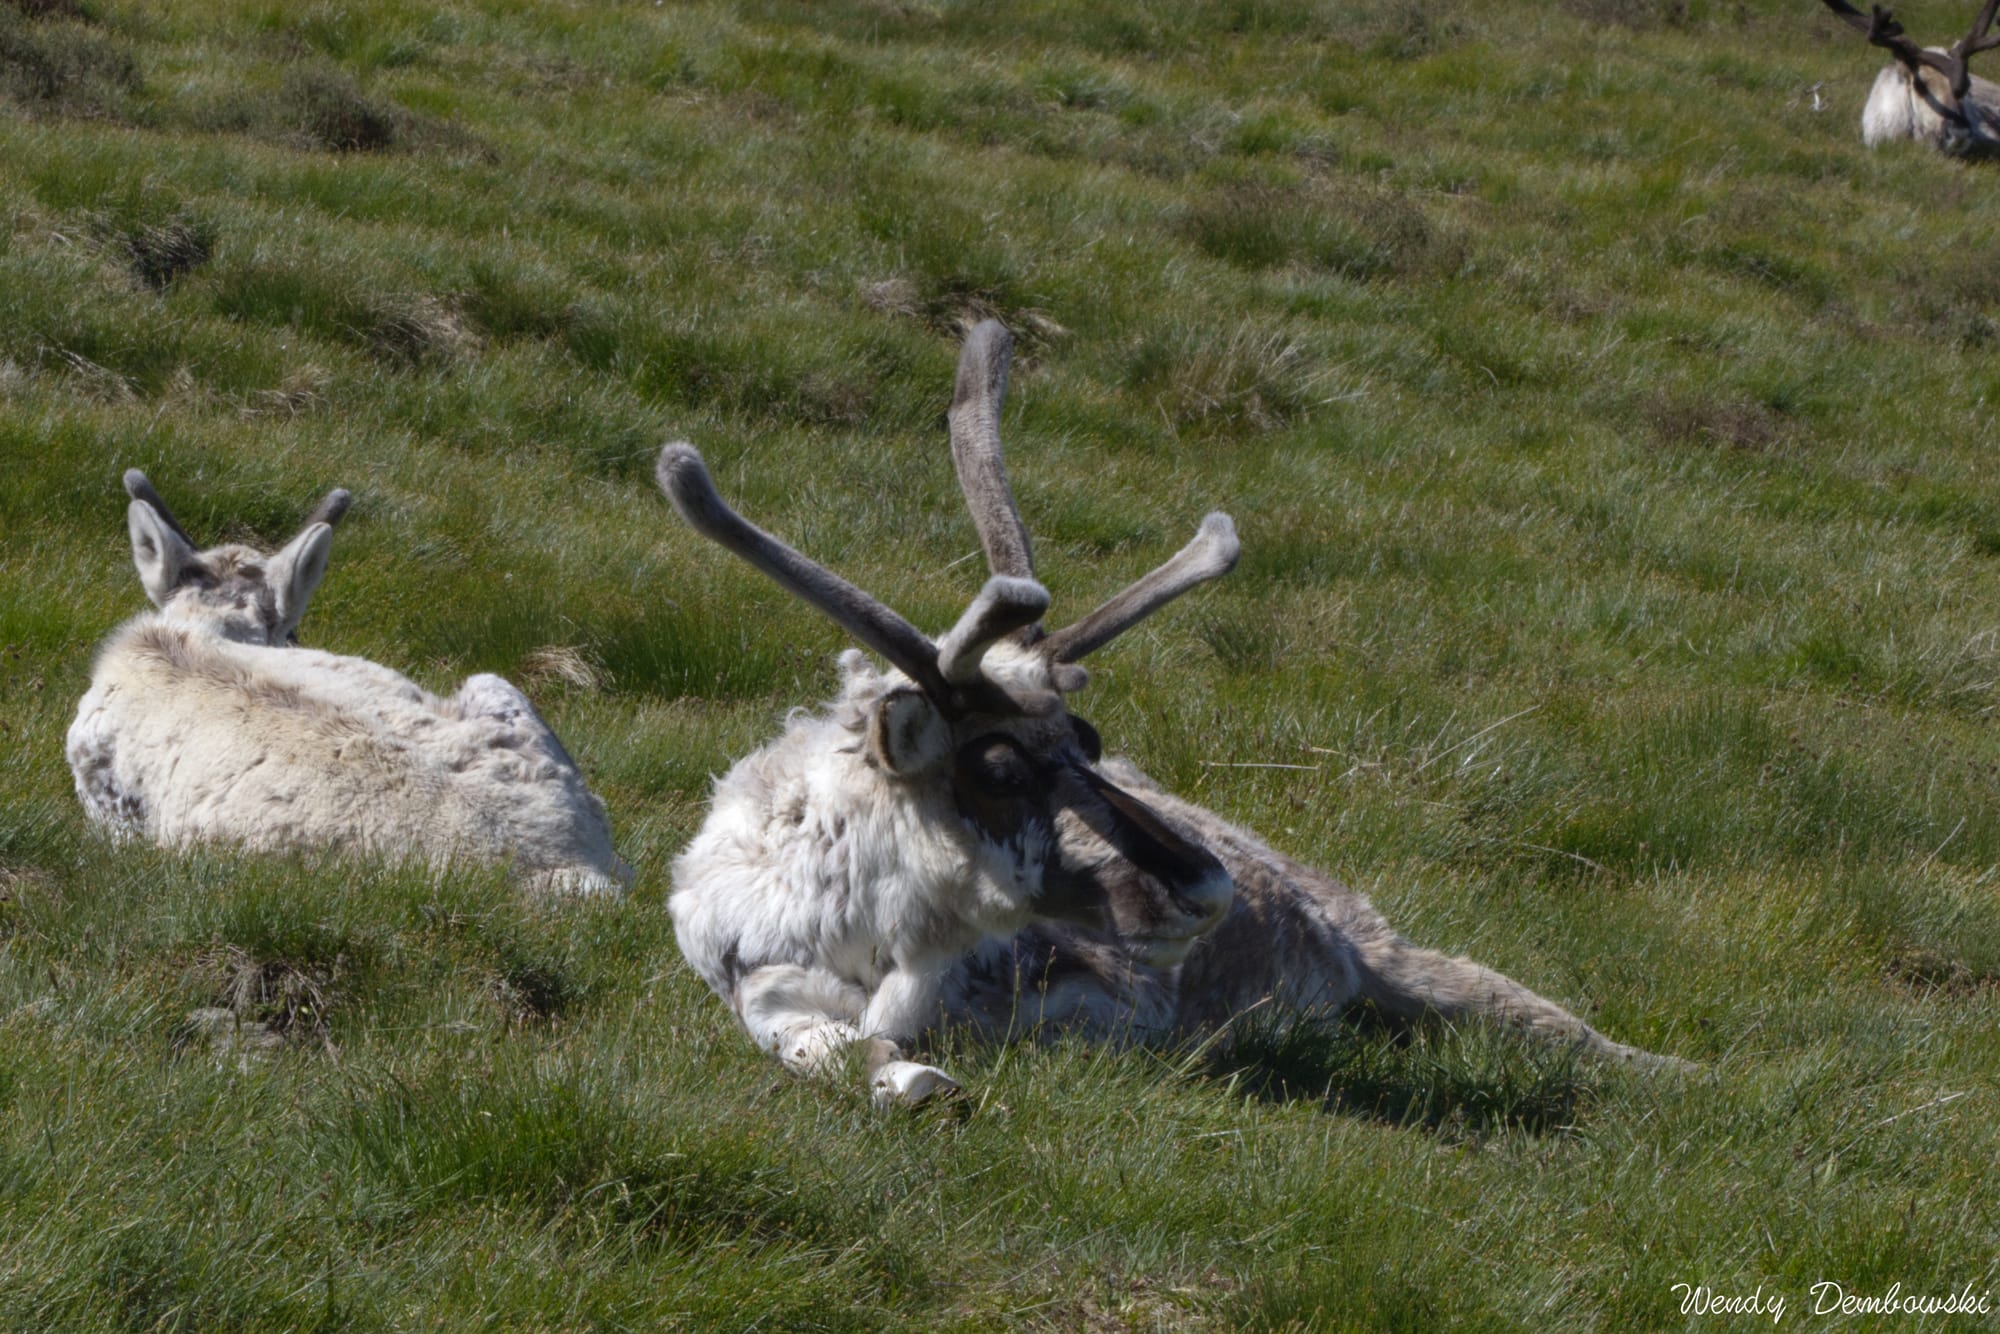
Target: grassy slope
pixel 1611 437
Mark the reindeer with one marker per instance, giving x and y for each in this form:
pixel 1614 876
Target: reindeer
pixel 945 842
pixel 1929 94
pixel 205 722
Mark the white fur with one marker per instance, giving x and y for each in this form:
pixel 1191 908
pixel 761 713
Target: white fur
pixel 824 897
pixel 202 725
pixel 827 898
pixel 1897 109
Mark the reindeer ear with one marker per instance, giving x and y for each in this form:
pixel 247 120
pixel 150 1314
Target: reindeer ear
pixel 907 735
pixel 160 553
pixel 295 572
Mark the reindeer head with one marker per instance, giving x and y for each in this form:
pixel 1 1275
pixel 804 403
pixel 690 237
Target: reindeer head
pixel 1938 78
pixel 233 591
pixel 975 723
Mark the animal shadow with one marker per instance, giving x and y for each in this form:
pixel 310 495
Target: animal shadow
pixel 1458 1083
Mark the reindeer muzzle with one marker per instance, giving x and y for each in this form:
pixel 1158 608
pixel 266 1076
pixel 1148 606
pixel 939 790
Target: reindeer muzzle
pixel 1163 890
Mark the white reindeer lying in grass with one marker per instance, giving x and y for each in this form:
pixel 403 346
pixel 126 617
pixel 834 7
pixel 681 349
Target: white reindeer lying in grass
pixel 204 722
pixel 944 842
pixel 1930 93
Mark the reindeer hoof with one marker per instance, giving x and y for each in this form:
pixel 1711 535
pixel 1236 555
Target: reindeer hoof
pixel 906 1084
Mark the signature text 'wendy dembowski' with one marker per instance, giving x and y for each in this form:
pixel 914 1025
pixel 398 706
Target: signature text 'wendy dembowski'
pixel 1830 1298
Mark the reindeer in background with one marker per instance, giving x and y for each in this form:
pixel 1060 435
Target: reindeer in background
pixel 205 723
pixel 944 842
pixel 1929 94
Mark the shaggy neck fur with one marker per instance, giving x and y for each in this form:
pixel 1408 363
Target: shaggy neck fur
pixel 814 854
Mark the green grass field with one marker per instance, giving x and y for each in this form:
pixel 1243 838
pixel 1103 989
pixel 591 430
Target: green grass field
pixel 1612 440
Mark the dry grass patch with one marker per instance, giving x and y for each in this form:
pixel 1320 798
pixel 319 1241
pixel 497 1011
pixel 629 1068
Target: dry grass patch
pixel 160 254
pixel 261 1004
pixel 1728 422
pixel 1246 378
pixel 954 309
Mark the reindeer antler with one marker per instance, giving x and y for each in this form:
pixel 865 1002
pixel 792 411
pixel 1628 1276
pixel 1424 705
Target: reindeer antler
pixel 1980 37
pixel 1882 29
pixel 1005 605
pixel 1210 555
pixel 975 449
pixel 949 674
pixel 982 476
pixel 684 477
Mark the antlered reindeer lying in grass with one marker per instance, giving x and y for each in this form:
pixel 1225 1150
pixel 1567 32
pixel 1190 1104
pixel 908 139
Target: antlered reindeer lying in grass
pixel 944 841
pixel 204 722
pixel 1930 94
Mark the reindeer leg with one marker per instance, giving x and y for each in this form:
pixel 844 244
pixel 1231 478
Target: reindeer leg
pixel 904 1005
pixel 810 1020
pixel 1409 981
pixel 1059 979
pixel 803 1016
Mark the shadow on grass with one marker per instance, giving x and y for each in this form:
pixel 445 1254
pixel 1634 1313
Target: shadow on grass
pixel 1455 1083
pixel 1462 1085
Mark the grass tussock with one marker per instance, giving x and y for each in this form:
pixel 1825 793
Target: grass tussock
pixel 1742 424
pixel 47 9
pixel 954 310
pixel 1354 232
pixel 1246 378
pixel 263 1003
pixel 318 107
pixel 54 63
pixel 160 254
pixel 1642 15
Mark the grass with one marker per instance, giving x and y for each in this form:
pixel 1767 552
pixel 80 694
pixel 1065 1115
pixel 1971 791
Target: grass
pixel 1610 435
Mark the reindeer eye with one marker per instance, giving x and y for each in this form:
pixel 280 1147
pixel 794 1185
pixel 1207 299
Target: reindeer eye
pixel 995 766
pixel 1087 737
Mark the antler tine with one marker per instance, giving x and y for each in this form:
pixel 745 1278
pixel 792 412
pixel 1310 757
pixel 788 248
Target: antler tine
pixel 1848 14
pixel 329 510
pixel 137 487
pixel 684 477
pixel 1981 37
pixel 1210 555
pixel 975 449
pixel 1005 605
pixel 1879 25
